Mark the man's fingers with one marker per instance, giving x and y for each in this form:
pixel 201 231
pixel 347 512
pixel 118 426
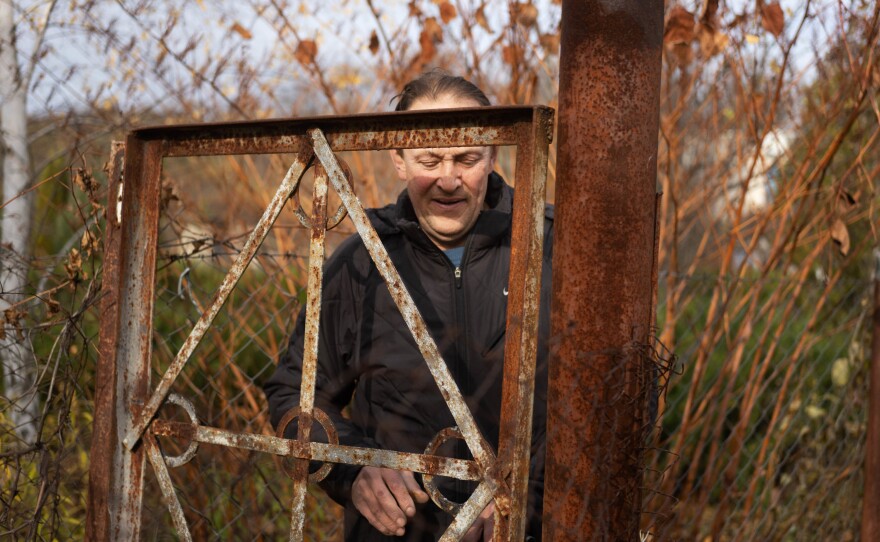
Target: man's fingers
pixel 375 502
pixel 483 526
pixel 387 511
pixel 474 534
pixel 413 487
pixel 396 483
pixel 488 517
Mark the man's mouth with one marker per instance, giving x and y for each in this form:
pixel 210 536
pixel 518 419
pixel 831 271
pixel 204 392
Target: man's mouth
pixel 449 203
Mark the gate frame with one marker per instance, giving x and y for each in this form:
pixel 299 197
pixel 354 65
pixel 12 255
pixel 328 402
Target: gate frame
pixel 125 406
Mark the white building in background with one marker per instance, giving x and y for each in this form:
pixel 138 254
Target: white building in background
pixel 753 183
pixel 761 186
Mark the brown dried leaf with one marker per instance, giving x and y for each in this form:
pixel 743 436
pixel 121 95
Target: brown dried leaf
pixel 374 43
pixel 242 31
pixel 74 266
pixel 431 34
pixel 306 51
pixel 550 43
pixel 849 199
pixel 525 14
pixel 480 16
pixel 89 243
pixel 53 307
pixel 78 179
pixel 433 30
pixel 712 41
pixel 447 12
pixel 710 9
pixel 97 208
pixel 679 26
pixel 12 318
pixel 772 18
pixel 840 235
pixel 681 53
pixel 83 180
pixel 414 10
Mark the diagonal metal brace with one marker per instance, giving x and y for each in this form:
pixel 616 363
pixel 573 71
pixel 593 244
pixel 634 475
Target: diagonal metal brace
pixel 288 187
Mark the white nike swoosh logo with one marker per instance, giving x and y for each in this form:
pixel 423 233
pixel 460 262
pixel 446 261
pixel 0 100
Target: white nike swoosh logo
pixel 505 290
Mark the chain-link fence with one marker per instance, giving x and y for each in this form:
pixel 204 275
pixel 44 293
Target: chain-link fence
pixel 763 430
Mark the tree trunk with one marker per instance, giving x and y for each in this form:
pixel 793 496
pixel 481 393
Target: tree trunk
pixel 16 357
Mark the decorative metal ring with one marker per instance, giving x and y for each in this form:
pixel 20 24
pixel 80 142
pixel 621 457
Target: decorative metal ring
pixel 325 422
pixel 192 448
pixel 340 213
pixel 428 480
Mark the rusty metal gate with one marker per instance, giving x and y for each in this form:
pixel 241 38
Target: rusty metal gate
pixel 126 423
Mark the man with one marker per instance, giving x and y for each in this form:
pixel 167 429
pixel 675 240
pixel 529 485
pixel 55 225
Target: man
pixel 449 238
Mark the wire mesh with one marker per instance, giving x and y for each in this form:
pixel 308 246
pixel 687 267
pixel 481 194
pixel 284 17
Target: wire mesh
pixel 772 447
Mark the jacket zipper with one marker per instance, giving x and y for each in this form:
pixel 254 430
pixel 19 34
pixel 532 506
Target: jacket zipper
pixel 462 346
pixel 458 269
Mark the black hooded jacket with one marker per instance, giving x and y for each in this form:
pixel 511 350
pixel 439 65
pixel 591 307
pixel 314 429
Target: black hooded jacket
pixel 368 358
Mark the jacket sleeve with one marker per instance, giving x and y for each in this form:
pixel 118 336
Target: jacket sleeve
pixel 336 372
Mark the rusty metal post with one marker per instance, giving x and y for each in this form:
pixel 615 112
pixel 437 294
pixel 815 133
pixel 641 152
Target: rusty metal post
pixel 609 96
pixel 871 500
pixel 123 376
pixel 103 446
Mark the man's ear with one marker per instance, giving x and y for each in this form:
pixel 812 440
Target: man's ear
pixel 399 165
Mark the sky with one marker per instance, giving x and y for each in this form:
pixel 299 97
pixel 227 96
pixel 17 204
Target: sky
pixel 79 68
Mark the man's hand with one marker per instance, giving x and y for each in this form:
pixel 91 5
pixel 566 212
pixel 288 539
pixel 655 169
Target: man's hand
pixel 385 498
pixel 481 530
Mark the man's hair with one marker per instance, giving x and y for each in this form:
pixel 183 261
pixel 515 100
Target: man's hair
pixel 436 83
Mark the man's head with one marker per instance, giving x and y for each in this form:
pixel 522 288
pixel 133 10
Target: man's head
pixel 447 186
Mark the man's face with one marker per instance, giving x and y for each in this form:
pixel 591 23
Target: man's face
pixel 447 186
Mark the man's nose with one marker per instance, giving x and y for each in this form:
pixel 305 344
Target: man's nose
pixel 450 177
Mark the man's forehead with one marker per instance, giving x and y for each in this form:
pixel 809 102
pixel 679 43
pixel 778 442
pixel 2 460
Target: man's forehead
pixel 450 151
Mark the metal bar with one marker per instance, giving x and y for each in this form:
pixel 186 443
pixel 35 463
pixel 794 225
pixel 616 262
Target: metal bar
pixel 310 349
pixel 318 451
pixel 143 167
pixel 469 512
pixel 523 305
pixel 169 497
pixel 313 303
pixel 478 446
pixel 241 262
pixel 128 328
pixel 104 442
pixel 405 129
pixel 871 502
pixel 602 264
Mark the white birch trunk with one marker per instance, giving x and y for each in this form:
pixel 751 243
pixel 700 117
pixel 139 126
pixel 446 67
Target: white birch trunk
pixel 21 405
